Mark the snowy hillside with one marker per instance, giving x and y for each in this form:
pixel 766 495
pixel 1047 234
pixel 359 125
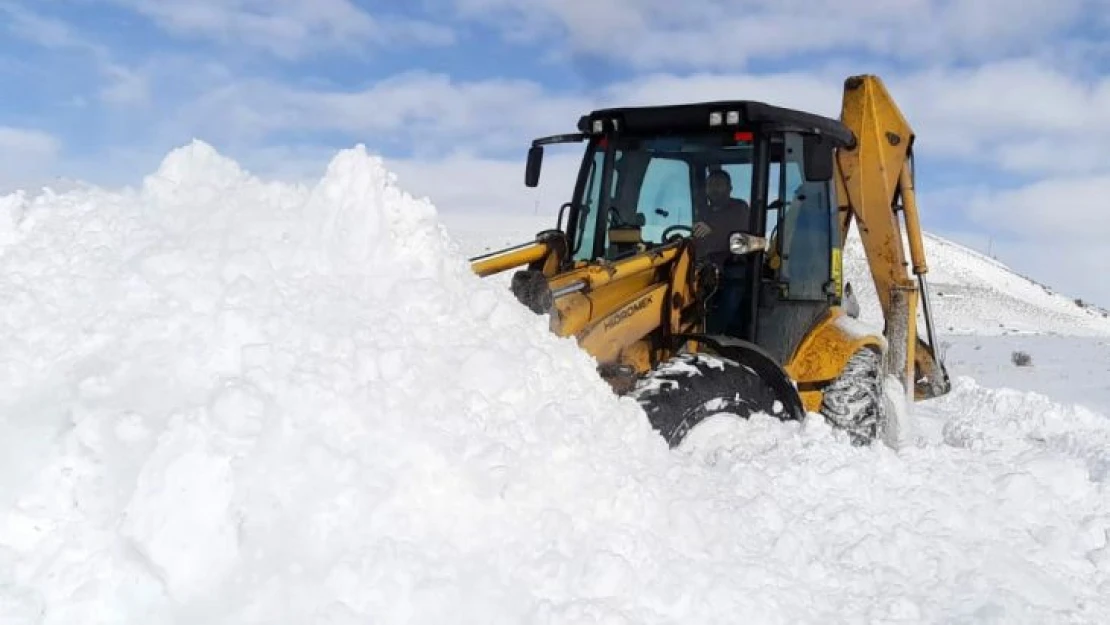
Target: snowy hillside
pixel 975 294
pixel 224 400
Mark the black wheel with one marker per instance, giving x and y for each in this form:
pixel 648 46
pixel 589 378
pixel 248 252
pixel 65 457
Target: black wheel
pixel 854 402
pixel 690 388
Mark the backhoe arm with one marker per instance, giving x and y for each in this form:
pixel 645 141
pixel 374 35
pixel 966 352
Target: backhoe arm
pixel 876 186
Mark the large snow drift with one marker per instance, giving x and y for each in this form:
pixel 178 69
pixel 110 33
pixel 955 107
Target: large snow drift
pixel 230 401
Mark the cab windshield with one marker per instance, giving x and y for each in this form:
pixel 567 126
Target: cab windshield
pixel 663 186
pixel 658 184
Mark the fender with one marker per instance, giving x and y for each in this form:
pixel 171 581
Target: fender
pixel 762 363
pixel 825 351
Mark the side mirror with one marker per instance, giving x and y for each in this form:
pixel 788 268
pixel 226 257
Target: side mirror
pixel 740 243
pixel 818 158
pixel 535 162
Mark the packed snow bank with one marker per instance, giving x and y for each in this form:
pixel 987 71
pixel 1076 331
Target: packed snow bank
pixel 235 400
pixel 230 401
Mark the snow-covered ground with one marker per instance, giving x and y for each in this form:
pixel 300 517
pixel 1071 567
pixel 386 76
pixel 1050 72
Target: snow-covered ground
pixel 224 400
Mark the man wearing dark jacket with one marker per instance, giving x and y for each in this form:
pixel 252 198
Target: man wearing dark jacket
pixel 722 216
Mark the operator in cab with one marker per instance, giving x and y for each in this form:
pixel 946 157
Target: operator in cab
pixel 722 216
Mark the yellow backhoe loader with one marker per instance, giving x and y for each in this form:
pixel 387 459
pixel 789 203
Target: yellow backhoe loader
pixel 700 261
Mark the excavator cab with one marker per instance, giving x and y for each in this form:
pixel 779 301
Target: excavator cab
pixel 770 262
pixel 659 275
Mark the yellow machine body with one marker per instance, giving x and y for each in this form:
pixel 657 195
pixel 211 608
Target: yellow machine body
pixel 641 309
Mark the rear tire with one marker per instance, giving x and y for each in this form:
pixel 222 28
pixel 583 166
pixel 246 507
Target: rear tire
pixel 855 402
pixel 689 388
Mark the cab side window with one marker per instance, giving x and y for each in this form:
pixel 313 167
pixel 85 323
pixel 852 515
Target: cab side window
pixel 665 197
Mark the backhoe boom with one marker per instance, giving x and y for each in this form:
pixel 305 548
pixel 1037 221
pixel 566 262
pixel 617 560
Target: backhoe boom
pixel 875 184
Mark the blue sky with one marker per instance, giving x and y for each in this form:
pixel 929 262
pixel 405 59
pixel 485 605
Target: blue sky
pixel 1011 103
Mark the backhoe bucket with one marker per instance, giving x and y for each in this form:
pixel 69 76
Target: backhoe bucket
pixel 930 376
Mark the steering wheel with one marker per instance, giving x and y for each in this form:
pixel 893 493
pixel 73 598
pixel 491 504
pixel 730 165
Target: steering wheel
pixel 666 233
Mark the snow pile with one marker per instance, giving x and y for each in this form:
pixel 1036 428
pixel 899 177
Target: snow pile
pixel 1007 420
pixel 258 401
pixel 230 401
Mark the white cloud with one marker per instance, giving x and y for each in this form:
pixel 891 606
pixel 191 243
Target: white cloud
pixel 1021 115
pixel 1069 209
pixel 730 33
pixel 18 143
pixel 1000 99
pixel 816 92
pixel 461 183
pixel 122 85
pixel 287 28
pixel 1055 230
pixel 26 157
pixel 1018 115
pixel 41 31
pixel 1069 269
pixel 421 111
pixel 125 86
pixel 1067 155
